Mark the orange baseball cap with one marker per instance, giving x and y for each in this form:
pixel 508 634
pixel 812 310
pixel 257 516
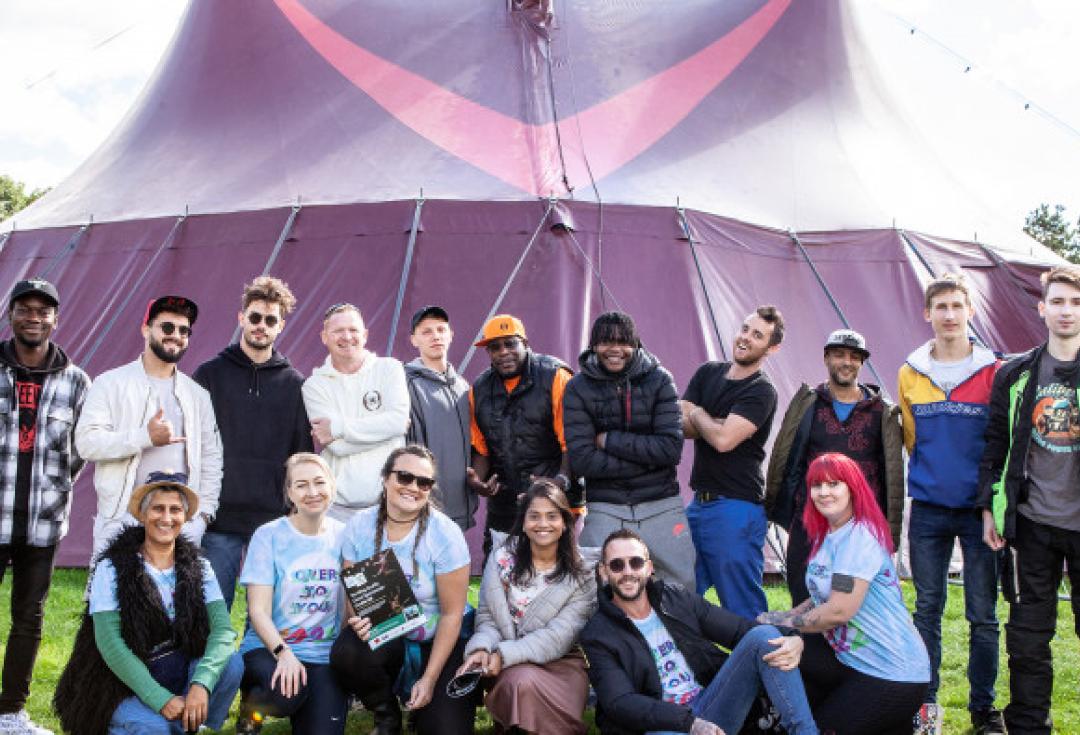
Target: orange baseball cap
pixel 501 326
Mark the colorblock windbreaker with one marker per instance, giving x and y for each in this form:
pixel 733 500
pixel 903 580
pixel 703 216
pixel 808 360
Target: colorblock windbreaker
pixel 943 432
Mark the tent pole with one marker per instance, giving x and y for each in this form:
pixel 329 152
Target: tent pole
pixel 685 224
pixel 165 244
pixel 596 272
pixel 4 239
pixel 506 286
pixel 926 264
pixel 285 232
pixel 405 272
pixel 836 307
pixel 69 248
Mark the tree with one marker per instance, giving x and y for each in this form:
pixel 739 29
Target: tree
pixel 13 196
pixel 1054 231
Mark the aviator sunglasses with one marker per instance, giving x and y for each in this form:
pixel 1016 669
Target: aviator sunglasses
pixel 408 478
pixel 167 328
pixel 635 562
pixel 256 318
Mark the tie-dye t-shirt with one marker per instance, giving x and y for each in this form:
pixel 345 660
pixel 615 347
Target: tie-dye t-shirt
pixel 308 602
pixel 880 640
pixel 442 549
pixel 103 586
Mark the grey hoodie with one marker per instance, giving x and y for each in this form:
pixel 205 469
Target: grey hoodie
pixel 439 420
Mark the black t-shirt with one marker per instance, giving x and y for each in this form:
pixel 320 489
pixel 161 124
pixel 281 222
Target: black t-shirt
pixel 736 474
pixel 28 392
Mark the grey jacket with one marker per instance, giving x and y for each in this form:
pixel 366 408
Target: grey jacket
pixel 439 420
pixel 552 621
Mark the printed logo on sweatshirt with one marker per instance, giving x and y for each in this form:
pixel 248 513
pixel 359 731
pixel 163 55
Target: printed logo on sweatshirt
pixel 373 400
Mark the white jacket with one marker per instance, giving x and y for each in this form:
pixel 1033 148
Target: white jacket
pixel 112 434
pixel 368 412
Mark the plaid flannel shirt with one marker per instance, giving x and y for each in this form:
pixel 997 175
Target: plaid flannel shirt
pixel 56 463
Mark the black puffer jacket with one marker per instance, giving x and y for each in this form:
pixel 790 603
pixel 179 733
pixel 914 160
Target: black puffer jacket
pixel 638 410
pixel 629 696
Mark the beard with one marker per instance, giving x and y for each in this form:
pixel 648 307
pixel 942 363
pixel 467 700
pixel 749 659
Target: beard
pixel 255 345
pixel 617 591
pixel 164 355
pixel 840 380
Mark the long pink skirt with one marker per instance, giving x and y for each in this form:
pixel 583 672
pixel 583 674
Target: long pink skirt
pixel 546 699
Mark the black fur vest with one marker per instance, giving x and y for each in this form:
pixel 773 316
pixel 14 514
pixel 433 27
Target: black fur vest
pixel 88 691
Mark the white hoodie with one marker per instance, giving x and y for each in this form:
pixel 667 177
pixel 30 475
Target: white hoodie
pixel 368 412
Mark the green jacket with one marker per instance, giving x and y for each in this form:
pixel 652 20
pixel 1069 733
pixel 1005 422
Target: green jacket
pixel 786 476
pixel 1003 470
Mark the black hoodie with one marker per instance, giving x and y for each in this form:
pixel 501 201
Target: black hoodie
pixel 638 409
pixel 260 414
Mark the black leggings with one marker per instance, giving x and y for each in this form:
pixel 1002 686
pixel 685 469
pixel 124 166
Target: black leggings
pixel 370 675
pixel 847 702
pixel 319 707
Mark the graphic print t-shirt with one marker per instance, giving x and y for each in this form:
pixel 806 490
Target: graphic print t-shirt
pixel 880 640
pixel 308 596
pixel 442 549
pixel 28 391
pixel 103 587
pixel 1054 450
pixel 676 676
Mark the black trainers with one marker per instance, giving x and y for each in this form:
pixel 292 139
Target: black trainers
pixel 988 722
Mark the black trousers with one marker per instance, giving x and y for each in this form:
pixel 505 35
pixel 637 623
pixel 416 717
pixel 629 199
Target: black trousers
pixel 319 707
pixel 370 675
pixel 31 573
pixel 1032 575
pixel 848 702
pixel 798 553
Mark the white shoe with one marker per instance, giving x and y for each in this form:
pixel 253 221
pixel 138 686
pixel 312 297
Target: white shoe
pixel 929 719
pixel 19 723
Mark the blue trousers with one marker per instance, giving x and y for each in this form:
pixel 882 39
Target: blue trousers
pixel 729 536
pixel 727 699
pixel 225 552
pixel 932 530
pixel 133 717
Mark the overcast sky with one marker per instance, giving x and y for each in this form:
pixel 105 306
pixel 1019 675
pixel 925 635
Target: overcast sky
pixel 69 71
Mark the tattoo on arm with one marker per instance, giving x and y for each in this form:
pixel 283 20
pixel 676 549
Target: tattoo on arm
pixel 843 583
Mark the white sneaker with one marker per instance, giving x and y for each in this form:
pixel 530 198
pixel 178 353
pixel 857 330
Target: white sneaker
pixel 929 719
pixel 19 723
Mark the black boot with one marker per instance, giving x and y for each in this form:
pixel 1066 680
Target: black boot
pixel 387 717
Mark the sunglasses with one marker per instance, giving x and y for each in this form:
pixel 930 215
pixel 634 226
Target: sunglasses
pixel 167 328
pixel 256 319
pixel 342 306
pixel 463 683
pixel 636 563
pixel 506 343
pixel 408 478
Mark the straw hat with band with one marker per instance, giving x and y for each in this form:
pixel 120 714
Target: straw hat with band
pixel 170 481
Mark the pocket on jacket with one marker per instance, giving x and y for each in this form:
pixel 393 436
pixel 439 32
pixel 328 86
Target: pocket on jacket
pixel 58 428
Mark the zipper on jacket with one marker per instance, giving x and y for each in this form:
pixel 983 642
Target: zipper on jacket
pixel 1015 574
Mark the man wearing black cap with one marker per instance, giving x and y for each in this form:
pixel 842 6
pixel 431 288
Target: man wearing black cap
pixel 38 466
pixel 439 413
pixel 840 415
pixel 147 416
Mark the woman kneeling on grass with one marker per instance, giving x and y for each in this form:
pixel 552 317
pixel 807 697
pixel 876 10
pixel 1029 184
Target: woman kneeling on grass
pixel 874 676
pixel 155 650
pixel 294 603
pixel 535 598
pixel 435 559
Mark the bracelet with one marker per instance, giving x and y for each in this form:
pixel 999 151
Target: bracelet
pixel 280 647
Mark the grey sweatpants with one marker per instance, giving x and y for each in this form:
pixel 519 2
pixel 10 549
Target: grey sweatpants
pixel 663 525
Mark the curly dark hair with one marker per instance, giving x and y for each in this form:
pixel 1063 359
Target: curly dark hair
pixel 567 557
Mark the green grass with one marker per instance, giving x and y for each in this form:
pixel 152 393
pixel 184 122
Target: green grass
pixel 65 607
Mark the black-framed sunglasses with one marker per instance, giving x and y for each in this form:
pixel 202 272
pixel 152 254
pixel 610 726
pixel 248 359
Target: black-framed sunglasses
pixel 506 343
pixel 407 478
pixel 636 563
pixel 341 306
pixel 167 328
pixel 257 318
pixel 463 683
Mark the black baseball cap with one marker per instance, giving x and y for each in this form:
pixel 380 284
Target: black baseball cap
pixel 174 304
pixel 34 287
pixel 429 311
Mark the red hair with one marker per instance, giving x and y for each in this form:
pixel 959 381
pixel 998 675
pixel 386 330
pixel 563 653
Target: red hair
pixel 830 468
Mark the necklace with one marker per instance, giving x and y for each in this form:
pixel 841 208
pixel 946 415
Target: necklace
pixel 401 520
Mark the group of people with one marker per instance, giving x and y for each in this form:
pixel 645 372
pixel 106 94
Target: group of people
pixel 594 570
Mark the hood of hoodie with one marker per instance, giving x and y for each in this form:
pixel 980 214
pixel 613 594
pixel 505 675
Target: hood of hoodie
pixel 919 360
pixel 55 359
pixel 236 355
pixel 871 393
pixel 417 369
pixel 642 363
pixel 327 368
